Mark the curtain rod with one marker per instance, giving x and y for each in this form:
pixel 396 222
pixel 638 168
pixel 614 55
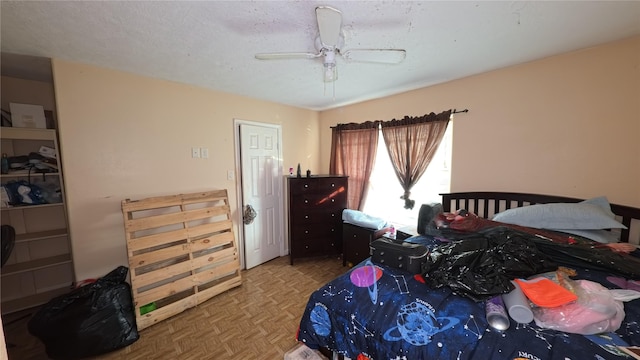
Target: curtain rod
pixel 454 111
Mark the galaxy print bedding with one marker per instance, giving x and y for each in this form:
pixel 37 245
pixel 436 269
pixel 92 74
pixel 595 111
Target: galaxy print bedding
pixel 385 313
pixel 377 312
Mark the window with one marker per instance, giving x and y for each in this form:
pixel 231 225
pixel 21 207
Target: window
pixel 384 191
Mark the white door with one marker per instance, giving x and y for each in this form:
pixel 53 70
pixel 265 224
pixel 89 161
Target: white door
pixel 262 191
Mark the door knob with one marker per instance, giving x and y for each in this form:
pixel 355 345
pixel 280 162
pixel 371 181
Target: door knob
pixel 248 215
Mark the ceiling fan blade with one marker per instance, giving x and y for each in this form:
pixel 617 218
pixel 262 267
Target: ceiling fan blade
pixel 329 25
pixel 381 56
pixel 286 55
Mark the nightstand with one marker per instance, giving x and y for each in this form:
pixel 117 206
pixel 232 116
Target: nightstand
pixel 355 242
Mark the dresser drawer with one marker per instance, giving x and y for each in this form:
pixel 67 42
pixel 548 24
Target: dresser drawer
pixel 320 201
pixel 315 231
pixel 310 216
pixel 313 185
pixel 308 247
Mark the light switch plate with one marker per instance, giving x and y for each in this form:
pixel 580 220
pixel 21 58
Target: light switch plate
pixel 204 153
pixel 195 152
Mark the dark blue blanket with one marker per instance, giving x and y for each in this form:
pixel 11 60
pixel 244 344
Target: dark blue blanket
pixel 386 313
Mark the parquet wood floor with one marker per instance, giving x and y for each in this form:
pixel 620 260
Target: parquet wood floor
pixel 257 320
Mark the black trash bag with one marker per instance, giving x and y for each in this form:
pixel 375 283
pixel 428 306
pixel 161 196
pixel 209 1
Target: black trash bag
pixel 89 321
pixel 590 255
pixel 482 265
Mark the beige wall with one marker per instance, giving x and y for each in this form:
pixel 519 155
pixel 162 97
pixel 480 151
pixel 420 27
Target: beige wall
pixel 565 125
pixel 127 136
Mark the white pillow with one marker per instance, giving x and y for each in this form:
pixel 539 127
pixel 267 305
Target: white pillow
pixel 590 214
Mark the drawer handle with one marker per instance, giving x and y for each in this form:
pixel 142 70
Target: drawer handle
pixel 306 185
pixel 306 201
pixel 306 231
pixel 333 185
pixel 354 235
pixel 306 216
pixel 333 215
pixel 306 246
pixel 333 200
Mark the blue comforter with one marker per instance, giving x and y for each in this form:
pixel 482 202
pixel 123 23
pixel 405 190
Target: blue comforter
pixel 386 313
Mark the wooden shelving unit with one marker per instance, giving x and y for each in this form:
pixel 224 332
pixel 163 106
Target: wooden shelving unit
pixel 40 266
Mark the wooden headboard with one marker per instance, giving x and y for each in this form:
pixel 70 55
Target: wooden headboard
pixel 487 203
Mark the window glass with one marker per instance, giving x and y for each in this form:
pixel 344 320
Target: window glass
pixel 383 199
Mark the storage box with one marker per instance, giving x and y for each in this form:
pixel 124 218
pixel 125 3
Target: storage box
pixel 47 152
pixel 27 115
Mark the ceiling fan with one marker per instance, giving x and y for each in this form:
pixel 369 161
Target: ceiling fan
pixel 329 45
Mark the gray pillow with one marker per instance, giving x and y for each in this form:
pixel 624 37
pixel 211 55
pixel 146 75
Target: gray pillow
pixel 590 214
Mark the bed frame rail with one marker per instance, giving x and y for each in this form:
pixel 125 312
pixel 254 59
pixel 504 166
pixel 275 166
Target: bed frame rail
pixel 488 203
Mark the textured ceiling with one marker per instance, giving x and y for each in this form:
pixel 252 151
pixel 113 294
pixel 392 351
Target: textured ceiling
pixel 212 43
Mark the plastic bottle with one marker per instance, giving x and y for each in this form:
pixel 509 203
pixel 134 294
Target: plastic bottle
pixel 392 232
pixel 517 305
pixel 5 164
pixel 496 313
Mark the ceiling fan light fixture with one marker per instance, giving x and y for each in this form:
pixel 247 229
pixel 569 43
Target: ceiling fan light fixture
pixel 329 44
pixel 330 72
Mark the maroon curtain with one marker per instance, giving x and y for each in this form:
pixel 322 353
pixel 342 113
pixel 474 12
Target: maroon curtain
pixel 353 152
pixel 411 143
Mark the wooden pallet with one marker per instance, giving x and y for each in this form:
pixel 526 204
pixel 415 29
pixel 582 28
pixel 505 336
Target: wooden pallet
pixel 182 252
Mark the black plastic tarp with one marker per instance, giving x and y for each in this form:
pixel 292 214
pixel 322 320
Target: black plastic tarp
pixel 482 265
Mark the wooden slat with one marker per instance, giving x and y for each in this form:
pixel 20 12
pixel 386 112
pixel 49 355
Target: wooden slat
pixel 145 242
pixel 146 279
pixel 210 275
pixel 218 256
pixel 173 200
pixel 153 222
pixel 165 312
pixel 183 284
pixel 218 226
pixel 163 291
pixel 159 255
pixel 207 294
pixel 160 269
pixel 212 241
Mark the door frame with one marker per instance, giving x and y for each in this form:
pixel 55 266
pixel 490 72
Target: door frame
pixel 238 181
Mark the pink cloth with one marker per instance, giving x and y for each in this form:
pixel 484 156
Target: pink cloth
pixel 596 311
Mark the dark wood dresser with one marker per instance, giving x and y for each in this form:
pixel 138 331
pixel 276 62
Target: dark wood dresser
pixel 315 214
pixel 355 242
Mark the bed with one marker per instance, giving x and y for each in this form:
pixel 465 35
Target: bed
pixel 378 312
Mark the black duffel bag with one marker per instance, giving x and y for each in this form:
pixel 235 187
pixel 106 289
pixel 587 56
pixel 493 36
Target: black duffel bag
pixel 398 254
